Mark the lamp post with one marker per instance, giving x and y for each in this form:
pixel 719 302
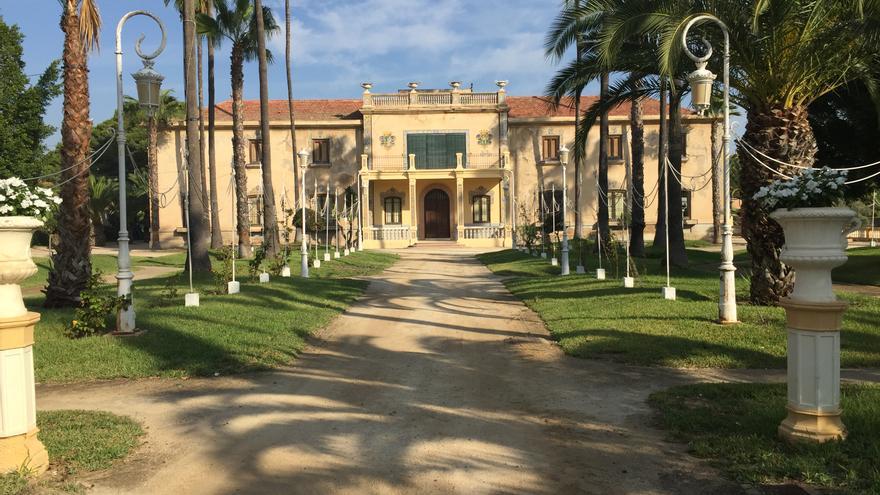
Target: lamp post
pixel 701 81
pixel 563 159
pixel 303 166
pixel 149 83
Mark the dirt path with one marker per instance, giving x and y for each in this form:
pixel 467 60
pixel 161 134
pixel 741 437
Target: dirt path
pixel 437 381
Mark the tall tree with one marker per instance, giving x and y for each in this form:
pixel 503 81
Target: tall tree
pixel 270 217
pixel 197 232
pixel 71 263
pixel 662 153
pixel 637 152
pixel 235 21
pixel 677 250
pixel 604 231
pixel 22 107
pixel 288 62
pixel 216 230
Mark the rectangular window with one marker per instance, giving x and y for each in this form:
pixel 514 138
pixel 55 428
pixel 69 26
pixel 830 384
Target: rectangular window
pixel 481 210
pixel 437 150
pixel 616 204
pixel 684 143
pixel 552 208
pixel 321 151
pixel 255 153
pixel 255 211
pixel 686 203
pixel 550 148
pixel 393 207
pixel 615 147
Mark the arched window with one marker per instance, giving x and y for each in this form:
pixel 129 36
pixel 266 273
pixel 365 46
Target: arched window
pixel 392 210
pixel 481 209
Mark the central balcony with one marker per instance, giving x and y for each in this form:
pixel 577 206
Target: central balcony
pixel 455 97
pixel 471 161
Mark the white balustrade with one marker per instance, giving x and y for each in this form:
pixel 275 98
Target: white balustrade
pixel 390 233
pixel 484 232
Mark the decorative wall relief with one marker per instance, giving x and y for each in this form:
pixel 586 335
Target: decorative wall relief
pixel 484 137
pixel 387 140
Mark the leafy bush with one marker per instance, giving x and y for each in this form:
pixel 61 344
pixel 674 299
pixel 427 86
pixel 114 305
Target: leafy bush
pixel 95 308
pixel 314 222
pixel 255 266
pixel 223 272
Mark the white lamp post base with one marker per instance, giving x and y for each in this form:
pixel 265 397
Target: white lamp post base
pixel 326 256
pixel 580 269
pixel 191 299
pixel 600 274
pixel 233 287
pixel 554 262
pixel 346 252
pixel 629 282
pixel 544 256
pixel 336 255
pixel 317 263
pixel 669 293
pixel 285 271
pixel 264 278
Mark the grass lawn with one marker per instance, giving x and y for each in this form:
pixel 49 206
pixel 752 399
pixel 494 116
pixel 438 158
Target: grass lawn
pixel 734 425
pixel 264 326
pixel 863 267
pixel 592 318
pixel 78 442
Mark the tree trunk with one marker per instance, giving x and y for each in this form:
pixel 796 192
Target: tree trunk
pixel 198 231
pixel 71 263
pixel 204 185
pixel 637 147
pixel 677 251
pixel 216 229
pixel 784 134
pixel 603 166
pixel 270 217
pixel 287 59
pixel 243 224
pixel 662 150
pixel 153 182
pixel 717 182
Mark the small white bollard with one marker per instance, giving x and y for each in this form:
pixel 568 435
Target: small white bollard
pixel 264 278
pixel 285 271
pixel 191 299
pixel 629 282
pixel 554 262
pixel 346 252
pixel 317 263
pixel 580 269
pixel 543 256
pixel 600 274
pixel 233 287
pixel 326 256
pixel 669 293
pixel 336 255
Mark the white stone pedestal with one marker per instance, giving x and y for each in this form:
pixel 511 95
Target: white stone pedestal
pixel 544 256
pixel 233 287
pixel 629 282
pixel 285 271
pixel 346 252
pixel 580 269
pixel 600 274
pixel 326 256
pixel 668 293
pixel 264 278
pixel 316 263
pixel 336 255
pixel 191 299
pixel 554 261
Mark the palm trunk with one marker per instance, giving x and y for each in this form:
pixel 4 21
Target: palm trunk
pixel 717 179
pixel 243 224
pixel 637 146
pixel 270 217
pixel 660 225
pixel 153 182
pixel 71 263
pixel 198 231
pixel 204 184
pixel 677 251
pixel 293 148
pixel 784 134
pixel 216 229
pixel 603 166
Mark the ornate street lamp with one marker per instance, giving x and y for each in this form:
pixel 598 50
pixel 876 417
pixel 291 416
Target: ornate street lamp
pixel 149 84
pixel 701 87
pixel 303 167
pixel 563 159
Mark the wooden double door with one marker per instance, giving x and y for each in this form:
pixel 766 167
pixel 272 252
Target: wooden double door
pixel 437 215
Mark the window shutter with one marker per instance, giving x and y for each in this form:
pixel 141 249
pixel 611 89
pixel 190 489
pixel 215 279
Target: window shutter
pixel 457 143
pixel 416 145
pixel 436 151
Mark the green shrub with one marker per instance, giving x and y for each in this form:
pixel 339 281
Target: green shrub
pixel 95 308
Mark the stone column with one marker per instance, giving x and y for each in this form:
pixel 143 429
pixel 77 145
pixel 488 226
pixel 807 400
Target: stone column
pixel 459 208
pixel 413 213
pixel 366 208
pixel 19 445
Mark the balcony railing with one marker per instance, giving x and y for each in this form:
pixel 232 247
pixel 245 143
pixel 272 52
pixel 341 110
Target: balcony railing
pixel 479 98
pixel 389 163
pixel 389 233
pixel 484 232
pixel 402 100
pixel 483 161
pixel 399 163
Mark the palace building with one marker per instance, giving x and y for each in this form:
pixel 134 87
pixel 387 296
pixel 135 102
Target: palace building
pixel 450 164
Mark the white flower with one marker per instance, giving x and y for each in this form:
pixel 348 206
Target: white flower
pixel 5 209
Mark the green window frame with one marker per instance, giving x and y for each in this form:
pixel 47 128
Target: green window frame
pixel 481 206
pixel 393 208
pixel 437 150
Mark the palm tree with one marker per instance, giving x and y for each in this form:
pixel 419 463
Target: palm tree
pixel 198 229
pixel 236 22
pixel 71 263
pixel 287 60
pixel 266 27
pixel 216 231
pixel 103 200
pixel 784 55
pixel 637 147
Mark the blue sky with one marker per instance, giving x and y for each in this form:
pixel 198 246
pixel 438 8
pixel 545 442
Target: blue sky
pixel 337 45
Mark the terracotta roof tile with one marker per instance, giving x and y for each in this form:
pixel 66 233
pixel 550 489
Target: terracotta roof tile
pixel 539 106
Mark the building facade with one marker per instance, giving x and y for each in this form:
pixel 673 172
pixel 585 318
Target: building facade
pixel 451 164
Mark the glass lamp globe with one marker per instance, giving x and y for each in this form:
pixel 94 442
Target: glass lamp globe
pixel 701 81
pixel 149 87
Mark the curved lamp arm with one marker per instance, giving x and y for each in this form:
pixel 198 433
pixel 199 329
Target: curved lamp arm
pixel 137 46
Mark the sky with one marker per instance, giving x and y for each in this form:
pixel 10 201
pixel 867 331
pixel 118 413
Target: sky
pixel 338 44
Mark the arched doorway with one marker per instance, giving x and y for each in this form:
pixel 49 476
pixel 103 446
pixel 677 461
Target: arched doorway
pixel 437 215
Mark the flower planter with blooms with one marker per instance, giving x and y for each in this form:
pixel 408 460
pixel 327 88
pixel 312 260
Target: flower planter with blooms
pixel 22 211
pixel 815 243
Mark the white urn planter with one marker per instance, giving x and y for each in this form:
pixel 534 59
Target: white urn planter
pixel 19 445
pixel 815 243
